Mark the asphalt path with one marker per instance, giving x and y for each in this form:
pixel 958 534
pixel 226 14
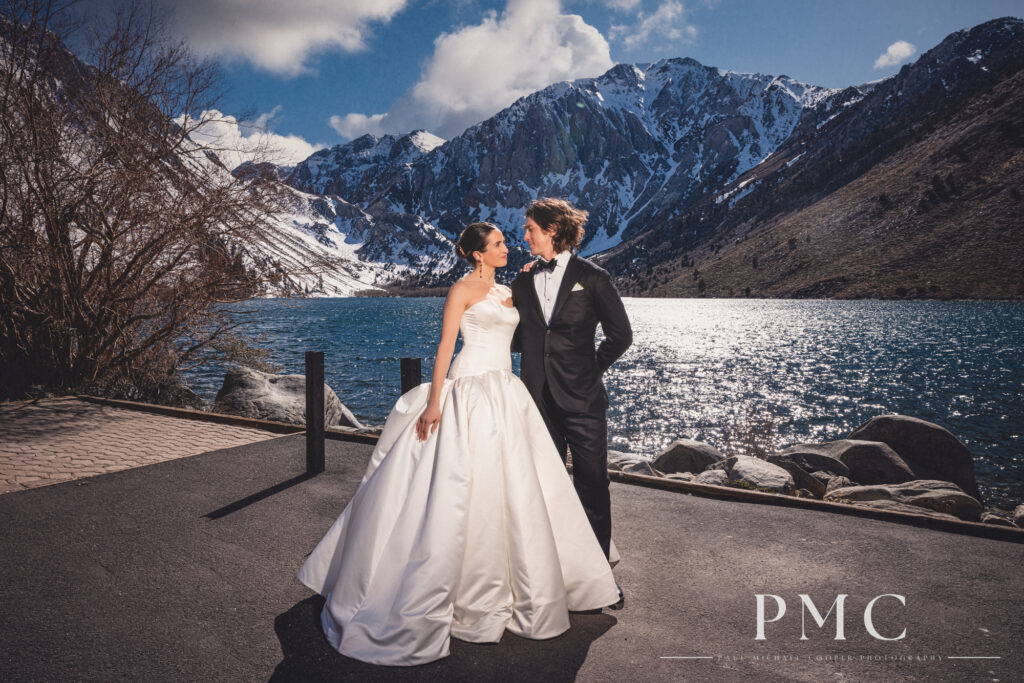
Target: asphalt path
pixel 185 570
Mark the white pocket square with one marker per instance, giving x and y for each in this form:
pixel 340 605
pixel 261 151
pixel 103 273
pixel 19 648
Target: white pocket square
pixel 577 287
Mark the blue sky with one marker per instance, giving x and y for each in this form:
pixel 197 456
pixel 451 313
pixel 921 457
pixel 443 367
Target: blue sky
pixel 314 73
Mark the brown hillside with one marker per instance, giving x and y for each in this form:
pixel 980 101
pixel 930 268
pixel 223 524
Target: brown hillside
pixel 940 218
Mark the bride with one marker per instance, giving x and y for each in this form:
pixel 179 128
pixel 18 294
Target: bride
pixel 466 523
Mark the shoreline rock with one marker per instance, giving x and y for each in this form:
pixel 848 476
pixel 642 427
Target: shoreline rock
pixel 802 479
pixel 993 518
pixel 891 462
pixel 687 455
pixel 930 450
pixel 745 471
pixel 282 398
pixel 931 494
pixel 873 462
pixel 815 457
pixel 712 477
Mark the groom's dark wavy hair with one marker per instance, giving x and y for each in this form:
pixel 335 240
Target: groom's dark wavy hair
pixel 562 218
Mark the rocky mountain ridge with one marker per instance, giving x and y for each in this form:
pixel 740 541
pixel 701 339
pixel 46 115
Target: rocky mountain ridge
pixel 366 252
pixel 354 170
pixel 914 191
pixel 675 157
pixel 634 146
pixel 681 165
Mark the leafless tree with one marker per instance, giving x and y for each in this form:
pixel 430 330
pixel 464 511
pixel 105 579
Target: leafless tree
pixel 122 243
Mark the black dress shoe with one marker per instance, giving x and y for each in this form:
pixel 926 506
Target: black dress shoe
pixel 622 599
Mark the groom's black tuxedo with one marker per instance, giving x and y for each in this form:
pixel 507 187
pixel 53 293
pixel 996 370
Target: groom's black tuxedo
pixel 562 370
pixel 562 354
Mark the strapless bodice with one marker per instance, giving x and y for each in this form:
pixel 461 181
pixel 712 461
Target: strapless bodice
pixel 487 328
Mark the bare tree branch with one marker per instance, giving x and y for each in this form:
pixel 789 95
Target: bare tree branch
pixel 122 242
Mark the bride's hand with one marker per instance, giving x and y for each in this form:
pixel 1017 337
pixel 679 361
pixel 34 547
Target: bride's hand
pixel 427 424
pixel 527 266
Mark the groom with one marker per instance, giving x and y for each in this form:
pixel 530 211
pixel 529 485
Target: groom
pixel 561 300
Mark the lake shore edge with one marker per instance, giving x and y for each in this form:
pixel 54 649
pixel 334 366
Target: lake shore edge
pixel 655 480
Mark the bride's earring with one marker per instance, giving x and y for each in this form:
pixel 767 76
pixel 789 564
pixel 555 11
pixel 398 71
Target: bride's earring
pixel 480 265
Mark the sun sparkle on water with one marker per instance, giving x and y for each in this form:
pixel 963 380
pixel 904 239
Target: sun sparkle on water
pixel 816 369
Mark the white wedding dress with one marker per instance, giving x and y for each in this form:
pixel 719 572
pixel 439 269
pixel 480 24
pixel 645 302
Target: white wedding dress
pixel 474 531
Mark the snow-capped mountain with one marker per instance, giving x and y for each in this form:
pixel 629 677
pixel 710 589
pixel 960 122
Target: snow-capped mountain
pixel 635 146
pixel 910 187
pixel 353 170
pixel 364 251
pixel 657 154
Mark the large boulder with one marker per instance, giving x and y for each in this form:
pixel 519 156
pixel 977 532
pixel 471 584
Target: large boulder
pixel 866 462
pixel 723 465
pixel 640 467
pixel 895 506
pixel 873 462
pixel 931 451
pixel 932 494
pixel 628 462
pixel 617 458
pixel 686 455
pixel 802 479
pixel 637 467
pixel 761 474
pixel 823 477
pixel 713 478
pixel 999 520
pixel 281 398
pixel 816 457
pixel 838 483
pixel 1018 515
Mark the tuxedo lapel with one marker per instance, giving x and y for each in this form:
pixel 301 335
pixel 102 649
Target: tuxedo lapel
pixel 531 300
pixel 568 280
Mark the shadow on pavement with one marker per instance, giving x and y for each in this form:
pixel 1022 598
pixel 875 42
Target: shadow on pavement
pixel 309 657
pixel 258 496
pixel 42 418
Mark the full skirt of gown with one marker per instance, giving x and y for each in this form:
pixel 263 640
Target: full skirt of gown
pixel 475 531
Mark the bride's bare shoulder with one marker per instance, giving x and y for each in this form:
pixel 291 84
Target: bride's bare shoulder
pixel 458 289
pixel 460 293
pixel 465 285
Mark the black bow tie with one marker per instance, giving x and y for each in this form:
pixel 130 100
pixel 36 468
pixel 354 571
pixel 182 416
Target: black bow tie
pixel 540 265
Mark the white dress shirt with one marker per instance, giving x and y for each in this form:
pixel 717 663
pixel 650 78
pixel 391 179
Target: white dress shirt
pixel 547 284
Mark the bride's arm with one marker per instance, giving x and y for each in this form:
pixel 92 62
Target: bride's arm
pixel 454 307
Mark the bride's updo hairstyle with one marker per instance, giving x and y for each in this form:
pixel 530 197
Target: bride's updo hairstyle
pixel 473 238
pixel 560 217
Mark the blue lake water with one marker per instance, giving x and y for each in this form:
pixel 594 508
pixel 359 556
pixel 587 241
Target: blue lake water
pixel 816 369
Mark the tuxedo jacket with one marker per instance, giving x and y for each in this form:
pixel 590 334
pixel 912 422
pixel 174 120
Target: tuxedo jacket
pixel 562 353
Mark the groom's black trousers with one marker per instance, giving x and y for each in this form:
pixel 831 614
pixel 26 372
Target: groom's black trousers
pixel 586 435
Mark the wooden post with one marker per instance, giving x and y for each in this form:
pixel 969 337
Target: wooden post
pixel 314 412
pixel 412 373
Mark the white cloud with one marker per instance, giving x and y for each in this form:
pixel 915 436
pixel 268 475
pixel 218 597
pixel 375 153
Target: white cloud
pixel 622 5
pixel 667 22
pixel 478 70
pixel 897 53
pixel 274 35
pixel 353 125
pixel 237 141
